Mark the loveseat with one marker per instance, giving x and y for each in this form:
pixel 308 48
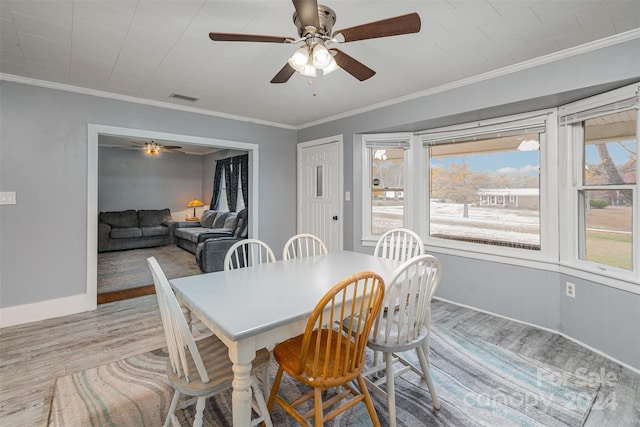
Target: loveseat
pixel 132 229
pixel 213 224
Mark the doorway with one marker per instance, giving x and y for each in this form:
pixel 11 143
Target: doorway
pixel 94 131
pixel 320 183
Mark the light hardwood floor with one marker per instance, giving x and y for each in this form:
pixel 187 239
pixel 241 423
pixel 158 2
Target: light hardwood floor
pixel 32 356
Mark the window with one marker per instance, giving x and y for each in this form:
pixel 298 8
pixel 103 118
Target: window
pixel 484 183
pixel 384 177
pixel 604 146
pixel 224 203
pixel 606 198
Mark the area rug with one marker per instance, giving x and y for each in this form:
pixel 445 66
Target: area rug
pixel 478 384
pixel 121 270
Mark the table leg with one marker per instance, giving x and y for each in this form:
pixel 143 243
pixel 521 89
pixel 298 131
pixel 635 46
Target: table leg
pixel 242 394
pixel 187 315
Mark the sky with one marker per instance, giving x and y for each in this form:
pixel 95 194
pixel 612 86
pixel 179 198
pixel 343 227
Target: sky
pixel 526 162
pixel 617 152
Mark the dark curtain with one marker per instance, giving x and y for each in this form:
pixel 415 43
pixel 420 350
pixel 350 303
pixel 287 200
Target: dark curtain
pixel 244 178
pixel 234 169
pixel 231 180
pixel 217 181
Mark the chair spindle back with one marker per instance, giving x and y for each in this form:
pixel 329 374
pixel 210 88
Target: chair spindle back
pixel 303 245
pixel 176 331
pixel 408 301
pixel 338 329
pixel 246 253
pixel 399 244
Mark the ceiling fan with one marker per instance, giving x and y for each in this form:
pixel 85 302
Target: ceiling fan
pixel 315 28
pixel 152 147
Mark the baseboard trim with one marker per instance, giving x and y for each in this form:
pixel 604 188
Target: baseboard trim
pixel 35 312
pixel 595 350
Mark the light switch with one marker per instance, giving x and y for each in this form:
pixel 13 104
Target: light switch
pixel 347 196
pixel 7 197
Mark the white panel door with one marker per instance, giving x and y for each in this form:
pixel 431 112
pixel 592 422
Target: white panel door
pixel 320 190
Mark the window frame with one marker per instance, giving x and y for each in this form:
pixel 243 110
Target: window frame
pixel 548 252
pixel 572 160
pixel 559 208
pixel 381 141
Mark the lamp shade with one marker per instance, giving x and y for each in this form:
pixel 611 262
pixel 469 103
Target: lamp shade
pixel 299 59
pixel 195 203
pixel 321 56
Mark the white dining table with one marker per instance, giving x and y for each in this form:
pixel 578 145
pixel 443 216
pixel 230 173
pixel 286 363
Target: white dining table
pixel 257 307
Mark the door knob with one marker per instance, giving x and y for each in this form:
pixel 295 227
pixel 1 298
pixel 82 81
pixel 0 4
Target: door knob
pixel 335 217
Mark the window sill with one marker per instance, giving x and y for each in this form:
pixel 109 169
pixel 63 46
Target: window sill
pixel 524 259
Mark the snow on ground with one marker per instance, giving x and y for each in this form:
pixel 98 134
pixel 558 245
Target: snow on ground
pixel 510 225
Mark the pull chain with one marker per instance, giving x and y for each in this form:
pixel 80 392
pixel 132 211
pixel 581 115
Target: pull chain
pixel 312 83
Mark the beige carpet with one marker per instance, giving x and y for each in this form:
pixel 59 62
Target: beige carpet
pixel 121 270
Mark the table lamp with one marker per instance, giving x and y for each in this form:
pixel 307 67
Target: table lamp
pixel 194 204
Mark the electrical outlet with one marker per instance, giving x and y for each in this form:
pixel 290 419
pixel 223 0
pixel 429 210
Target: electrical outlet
pixel 571 290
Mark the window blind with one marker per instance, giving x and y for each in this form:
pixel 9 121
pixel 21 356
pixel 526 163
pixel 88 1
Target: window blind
pixel 481 132
pixel 602 110
pixel 391 140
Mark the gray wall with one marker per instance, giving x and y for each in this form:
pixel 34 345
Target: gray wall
pixel 603 317
pixel 130 179
pixel 43 157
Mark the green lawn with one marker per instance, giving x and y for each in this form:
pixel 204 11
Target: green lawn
pixel 610 248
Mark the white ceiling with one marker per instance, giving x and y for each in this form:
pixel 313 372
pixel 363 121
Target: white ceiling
pixel 132 143
pixel 151 49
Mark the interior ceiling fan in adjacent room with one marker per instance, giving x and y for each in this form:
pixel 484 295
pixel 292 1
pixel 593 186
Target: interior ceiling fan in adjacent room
pixel 153 148
pixel 150 147
pixel 315 28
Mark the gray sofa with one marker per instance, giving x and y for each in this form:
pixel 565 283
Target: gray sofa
pixel 213 224
pixel 132 229
pixel 216 233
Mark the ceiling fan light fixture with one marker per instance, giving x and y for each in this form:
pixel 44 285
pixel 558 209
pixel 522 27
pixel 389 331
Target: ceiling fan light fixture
pixel 152 148
pixel 331 67
pixel 299 59
pixel 309 71
pixel 321 56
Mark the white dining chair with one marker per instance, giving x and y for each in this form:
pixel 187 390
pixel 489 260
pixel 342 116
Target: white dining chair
pixel 404 325
pixel 246 253
pixel 399 244
pixel 200 368
pixel 303 245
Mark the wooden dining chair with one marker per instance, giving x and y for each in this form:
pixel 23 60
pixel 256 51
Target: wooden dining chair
pixel 399 244
pixel 325 358
pixel 404 325
pixel 246 253
pixel 303 245
pixel 199 368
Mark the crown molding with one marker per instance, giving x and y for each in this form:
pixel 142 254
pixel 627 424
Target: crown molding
pixel 136 100
pixel 521 66
pixel 510 69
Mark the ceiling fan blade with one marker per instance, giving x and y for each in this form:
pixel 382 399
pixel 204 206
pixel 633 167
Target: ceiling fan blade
pixel 284 74
pixel 405 24
pixel 356 68
pixel 307 11
pixel 232 37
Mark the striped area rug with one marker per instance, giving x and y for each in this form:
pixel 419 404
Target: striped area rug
pixel 477 383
